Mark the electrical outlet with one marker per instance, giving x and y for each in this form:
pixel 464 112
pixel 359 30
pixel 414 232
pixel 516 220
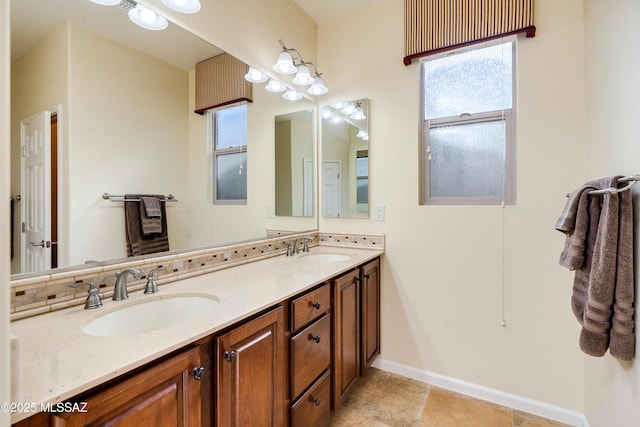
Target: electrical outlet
pixel 378 213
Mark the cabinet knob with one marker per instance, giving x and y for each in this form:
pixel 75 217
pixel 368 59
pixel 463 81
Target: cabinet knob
pixel 230 356
pixel 316 338
pixel 198 373
pixel 315 400
pixel 316 305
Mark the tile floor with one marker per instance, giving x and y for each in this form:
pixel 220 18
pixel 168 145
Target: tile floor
pixel 383 399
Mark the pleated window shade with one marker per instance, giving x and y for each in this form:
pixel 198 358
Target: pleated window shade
pixel 433 26
pixel 220 81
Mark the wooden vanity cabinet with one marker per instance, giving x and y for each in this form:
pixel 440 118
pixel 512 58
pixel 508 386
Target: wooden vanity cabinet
pixel 165 394
pixel 356 317
pixel 250 373
pixel 310 358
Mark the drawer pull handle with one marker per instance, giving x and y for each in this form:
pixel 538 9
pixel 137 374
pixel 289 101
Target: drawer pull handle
pixel 198 373
pixel 366 276
pixel 230 356
pixel 316 338
pixel 316 305
pixel 316 400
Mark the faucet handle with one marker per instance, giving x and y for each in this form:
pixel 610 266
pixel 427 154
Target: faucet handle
pixel 305 248
pixel 290 249
pixel 151 286
pixel 93 299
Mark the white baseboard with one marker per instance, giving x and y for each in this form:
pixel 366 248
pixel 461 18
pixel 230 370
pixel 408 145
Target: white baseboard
pixel 509 400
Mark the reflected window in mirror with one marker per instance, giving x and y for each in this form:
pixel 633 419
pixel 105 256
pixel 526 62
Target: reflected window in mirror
pixel 229 159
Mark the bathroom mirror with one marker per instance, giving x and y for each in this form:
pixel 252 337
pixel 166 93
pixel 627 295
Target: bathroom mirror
pixel 294 148
pixel 121 101
pixel 345 159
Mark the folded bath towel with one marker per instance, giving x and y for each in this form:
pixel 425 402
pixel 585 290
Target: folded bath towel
pixel 137 242
pixel 151 214
pixel 599 246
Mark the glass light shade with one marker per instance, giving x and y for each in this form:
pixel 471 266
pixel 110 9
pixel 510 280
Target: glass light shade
pixel 292 95
pixel 284 64
pixel 255 76
pixel 358 114
pixel 318 87
pixel 106 2
pixel 326 113
pixel 303 76
pixel 336 120
pixel 147 18
pixel 348 109
pixel 338 105
pixel 184 6
pixel 361 134
pixel 275 86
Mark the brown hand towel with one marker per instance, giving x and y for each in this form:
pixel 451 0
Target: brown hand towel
pixel 151 214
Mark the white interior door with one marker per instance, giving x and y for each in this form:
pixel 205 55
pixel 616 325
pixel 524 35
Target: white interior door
pixel 35 138
pixel 331 188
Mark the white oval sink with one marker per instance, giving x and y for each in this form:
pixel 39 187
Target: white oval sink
pixel 148 316
pixel 324 257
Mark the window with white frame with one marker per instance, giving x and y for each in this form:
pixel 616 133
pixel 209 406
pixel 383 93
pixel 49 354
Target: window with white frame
pixel 468 137
pixel 229 154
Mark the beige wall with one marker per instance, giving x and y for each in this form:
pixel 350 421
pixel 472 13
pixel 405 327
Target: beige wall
pixel 449 272
pixel 612 388
pixel 5 125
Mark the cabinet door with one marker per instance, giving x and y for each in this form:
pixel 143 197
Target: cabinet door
pixel 251 373
pixel 346 356
pixel 370 313
pixel 166 394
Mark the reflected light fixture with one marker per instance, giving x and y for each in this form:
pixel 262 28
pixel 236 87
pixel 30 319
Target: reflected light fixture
pixel 275 86
pixel 335 119
pixel 147 18
pixel 290 61
pixel 106 2
pixel 292 95
pixel 255 76
pixel 358 114
pixel 361 134
pixel 184 6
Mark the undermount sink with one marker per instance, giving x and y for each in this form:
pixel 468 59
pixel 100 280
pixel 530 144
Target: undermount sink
pixel 147 316
pixel 324 257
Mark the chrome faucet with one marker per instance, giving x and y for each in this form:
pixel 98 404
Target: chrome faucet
pixel 120 289
pixel 93 299
pixel 152 287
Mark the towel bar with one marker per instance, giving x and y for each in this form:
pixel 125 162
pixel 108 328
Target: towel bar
pixel 632 179
pixel 120 198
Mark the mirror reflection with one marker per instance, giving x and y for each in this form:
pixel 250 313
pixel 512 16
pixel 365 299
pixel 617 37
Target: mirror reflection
pixel 345 159
pixel 116 103
pixel 294 148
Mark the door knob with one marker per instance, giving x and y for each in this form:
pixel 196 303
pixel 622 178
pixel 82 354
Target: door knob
pixel 198 373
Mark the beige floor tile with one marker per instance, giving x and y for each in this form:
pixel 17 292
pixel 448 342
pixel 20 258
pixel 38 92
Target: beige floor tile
pixel 521 419
pixel 347 417
pixel 388 398
pixel 447 409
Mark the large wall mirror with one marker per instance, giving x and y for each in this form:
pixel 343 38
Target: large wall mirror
pixel 345 159
pixel 117 101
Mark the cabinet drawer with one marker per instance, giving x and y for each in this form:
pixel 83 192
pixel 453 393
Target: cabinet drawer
pixel 314 407
pixel 310 306
pixel 310 354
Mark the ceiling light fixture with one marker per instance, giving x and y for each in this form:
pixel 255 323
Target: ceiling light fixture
pixel 275 86
pixel 292 95
pixel 290 61
pixel 184 6
pixel 147 18
pixel 358 113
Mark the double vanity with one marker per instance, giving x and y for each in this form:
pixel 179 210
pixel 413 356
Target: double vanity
pixel 279 341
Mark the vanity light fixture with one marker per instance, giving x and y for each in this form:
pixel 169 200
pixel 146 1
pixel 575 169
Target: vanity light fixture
pixel 358 113
pixel 255 76
pixel 290 61
pixel 147 18
pixel 292 95
pixel 335 119
pixel 275 86
pixel 361 134
pixel 184 6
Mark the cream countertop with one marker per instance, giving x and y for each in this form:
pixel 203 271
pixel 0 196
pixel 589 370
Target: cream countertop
pixel 59 361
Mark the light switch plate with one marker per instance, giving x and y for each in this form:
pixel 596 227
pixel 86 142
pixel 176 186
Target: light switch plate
pixel 378 213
